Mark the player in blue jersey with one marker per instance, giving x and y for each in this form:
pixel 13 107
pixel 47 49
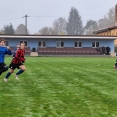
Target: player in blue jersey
pixel 3 51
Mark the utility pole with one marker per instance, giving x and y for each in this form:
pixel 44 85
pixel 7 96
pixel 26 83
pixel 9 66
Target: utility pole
pixel 25 23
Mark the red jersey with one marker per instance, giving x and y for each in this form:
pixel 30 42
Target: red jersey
pixel 19 56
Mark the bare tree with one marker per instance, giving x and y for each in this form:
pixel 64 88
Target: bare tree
pixel 59 26
pixel 47 31
pixel 1 31
pixel 90 27
pixel 108 19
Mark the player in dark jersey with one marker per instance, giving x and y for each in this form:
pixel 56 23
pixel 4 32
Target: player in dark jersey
pixel 115 66
pixel 17 62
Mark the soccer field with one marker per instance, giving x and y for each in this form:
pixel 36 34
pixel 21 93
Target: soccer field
pixel 61 87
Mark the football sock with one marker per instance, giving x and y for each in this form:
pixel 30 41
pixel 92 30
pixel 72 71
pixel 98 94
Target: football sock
pixel 19 72
pixel 8 74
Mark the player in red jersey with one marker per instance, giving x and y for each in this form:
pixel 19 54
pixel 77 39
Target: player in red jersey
pixel 17 62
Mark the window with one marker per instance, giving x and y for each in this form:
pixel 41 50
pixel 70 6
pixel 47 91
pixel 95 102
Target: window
pixel 7 43
pixel 77 44
pixel 42 44
pixel 60 44
pixel 95 44
pixel 24 42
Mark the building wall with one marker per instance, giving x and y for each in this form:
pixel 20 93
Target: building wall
pixel 114 32
pixel 12 42
pixel 110 33
pixel 106 33
pixel 33 43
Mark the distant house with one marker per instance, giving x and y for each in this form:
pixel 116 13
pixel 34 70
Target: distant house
pixel 109 31
pixel 61 45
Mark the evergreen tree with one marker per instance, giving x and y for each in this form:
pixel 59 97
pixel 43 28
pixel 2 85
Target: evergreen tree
pixel 21 29
pixel 74 25
pixel 8 29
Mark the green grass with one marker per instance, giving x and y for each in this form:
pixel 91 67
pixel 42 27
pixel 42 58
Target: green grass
pixel 61 87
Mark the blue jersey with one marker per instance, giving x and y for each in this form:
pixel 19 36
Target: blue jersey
pixel 3 52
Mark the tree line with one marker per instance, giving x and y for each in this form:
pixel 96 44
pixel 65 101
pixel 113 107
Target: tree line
pixel 72 26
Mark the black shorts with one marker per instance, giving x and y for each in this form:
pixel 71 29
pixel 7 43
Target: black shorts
pixel 2 65
pixel 14 66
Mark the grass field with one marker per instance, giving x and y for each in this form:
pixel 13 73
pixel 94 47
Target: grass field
pixel 61 87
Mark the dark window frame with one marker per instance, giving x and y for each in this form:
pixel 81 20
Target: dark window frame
pixel 42 44
pixel 77 44
pixel 60 44
pixel 95 44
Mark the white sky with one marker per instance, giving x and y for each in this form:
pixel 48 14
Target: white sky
pixel 12 11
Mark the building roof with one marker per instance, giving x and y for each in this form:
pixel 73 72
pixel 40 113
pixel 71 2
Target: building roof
pixel 105 29
pixel 58 36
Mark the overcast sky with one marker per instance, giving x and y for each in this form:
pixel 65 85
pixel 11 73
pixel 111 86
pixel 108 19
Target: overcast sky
pixel 43 12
